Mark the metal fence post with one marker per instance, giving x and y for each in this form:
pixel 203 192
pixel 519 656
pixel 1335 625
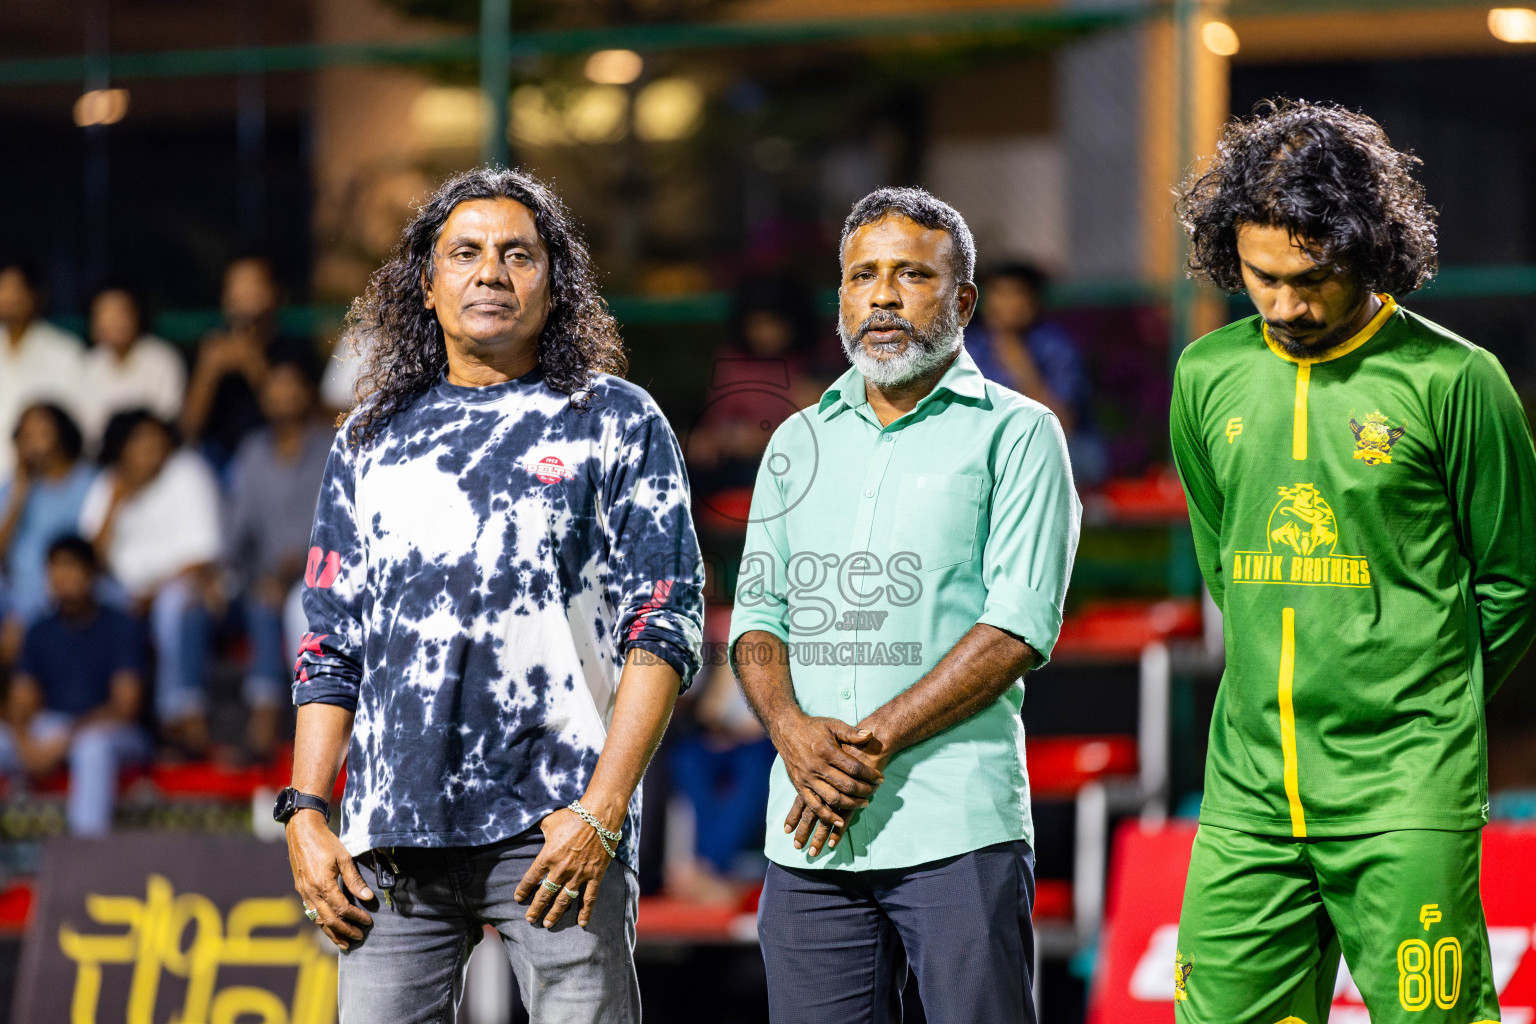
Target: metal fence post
pixel 495 77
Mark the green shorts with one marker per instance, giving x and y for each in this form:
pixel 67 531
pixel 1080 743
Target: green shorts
pixel 1264 920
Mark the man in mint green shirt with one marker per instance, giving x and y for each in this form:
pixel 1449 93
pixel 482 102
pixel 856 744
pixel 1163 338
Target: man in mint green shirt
pixel 910 543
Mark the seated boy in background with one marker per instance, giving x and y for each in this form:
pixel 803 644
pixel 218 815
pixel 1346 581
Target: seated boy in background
pixel 76 692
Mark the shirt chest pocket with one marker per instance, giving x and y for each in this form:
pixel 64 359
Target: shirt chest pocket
pixel 935 517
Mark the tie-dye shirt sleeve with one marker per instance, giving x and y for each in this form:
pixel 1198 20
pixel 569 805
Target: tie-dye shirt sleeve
pixel 478 573
pixel 655 566
pixel 329 669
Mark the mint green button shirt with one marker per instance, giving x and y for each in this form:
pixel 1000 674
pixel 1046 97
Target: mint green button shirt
pixel 871 551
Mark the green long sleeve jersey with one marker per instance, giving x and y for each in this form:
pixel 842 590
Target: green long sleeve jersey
pixel 1367 524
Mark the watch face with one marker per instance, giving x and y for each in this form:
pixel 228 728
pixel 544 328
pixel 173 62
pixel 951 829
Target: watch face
pixel 284 808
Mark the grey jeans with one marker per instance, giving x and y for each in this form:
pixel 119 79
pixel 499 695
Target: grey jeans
pixel 409 968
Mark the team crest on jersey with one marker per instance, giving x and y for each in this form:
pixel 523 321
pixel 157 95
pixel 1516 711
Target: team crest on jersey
pixel 1182 969
pixel 1301 545
pixel 1374 438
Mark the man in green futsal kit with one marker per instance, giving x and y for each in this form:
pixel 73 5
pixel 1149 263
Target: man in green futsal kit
pixel 1361 488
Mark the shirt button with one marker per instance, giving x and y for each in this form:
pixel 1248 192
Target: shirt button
pixel 889 438
pixel 869 493
pixel 847 694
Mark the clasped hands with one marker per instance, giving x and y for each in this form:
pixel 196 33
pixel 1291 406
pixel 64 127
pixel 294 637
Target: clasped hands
pixel 835 768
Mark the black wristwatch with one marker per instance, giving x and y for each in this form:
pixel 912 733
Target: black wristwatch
pixel 291 800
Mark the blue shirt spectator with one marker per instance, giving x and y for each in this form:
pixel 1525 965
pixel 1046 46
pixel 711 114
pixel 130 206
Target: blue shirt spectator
pixel 76 692
pixel 1014 346
pixel 1056 357
pixel 75 657
pixel 41 503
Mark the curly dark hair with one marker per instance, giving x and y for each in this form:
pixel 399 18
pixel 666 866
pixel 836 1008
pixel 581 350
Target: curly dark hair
pixel 1327 174
pixel 402 341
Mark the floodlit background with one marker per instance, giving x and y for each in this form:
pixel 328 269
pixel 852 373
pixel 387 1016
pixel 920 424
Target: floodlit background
pixel 711 149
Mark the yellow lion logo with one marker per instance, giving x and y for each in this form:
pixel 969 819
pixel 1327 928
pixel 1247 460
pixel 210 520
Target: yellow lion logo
pixel 1374 439
pixel 1305 522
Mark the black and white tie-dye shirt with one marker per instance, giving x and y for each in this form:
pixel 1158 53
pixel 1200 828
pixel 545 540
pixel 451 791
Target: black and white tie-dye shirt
pixel 478 573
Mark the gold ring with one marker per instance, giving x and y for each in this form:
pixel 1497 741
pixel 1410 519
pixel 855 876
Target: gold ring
pixel 570 893
pixel 311 913
pixel 554 888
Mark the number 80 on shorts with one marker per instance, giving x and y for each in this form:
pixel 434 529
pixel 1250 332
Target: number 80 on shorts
pixel 1425 974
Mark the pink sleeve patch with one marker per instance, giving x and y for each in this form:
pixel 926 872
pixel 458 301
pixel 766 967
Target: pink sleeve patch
pixel 658 600
pixel 322 568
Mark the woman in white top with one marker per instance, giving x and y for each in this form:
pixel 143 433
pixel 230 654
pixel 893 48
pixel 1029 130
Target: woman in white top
pixel 153 517
pixel 126 368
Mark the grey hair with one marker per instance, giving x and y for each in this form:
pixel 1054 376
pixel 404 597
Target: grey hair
pixel 920 207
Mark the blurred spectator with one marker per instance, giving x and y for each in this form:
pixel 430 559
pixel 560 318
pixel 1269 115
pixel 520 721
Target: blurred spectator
pixel 221 406
pixel 1017 347
pixel 126 368
pixel 338 385
pixel 13 630
pixel 722 770
pixel 275 482
pixel 38 361
pixel 41 503
pixel 758 379
pixel 154 519
pixel 76 692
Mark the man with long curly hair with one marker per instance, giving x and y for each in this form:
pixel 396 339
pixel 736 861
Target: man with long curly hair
pixel 1360 483
pixel 504 593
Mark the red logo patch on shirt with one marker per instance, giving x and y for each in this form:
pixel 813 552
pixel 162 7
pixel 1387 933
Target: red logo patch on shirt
pixel 309 644
pixel 658 600
pixel 322 568
pixel 549 470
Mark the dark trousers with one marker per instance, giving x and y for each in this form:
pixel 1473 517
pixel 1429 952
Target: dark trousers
pixel 837 944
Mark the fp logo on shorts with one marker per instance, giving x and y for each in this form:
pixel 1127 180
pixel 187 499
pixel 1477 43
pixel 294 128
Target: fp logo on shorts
pixel 1430 914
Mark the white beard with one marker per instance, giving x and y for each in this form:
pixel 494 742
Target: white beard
pixel 923 353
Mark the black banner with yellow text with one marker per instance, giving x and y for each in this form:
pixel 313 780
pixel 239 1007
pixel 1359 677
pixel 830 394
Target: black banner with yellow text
pixel 161 927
